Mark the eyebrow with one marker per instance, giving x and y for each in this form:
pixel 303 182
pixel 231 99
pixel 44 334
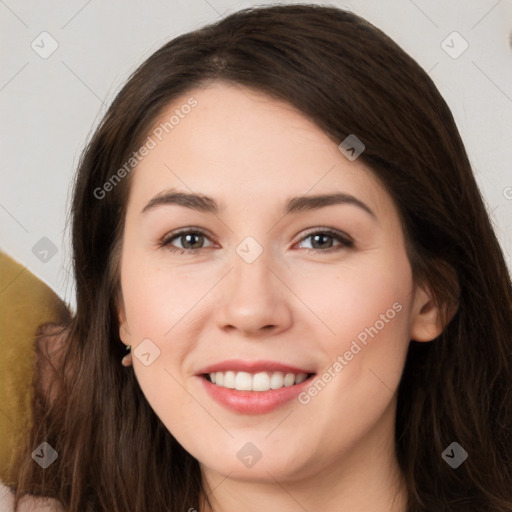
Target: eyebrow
pixel 207 204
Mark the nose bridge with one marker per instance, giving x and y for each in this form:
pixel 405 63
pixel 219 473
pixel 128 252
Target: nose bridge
pixel 253 297
pixel 251 272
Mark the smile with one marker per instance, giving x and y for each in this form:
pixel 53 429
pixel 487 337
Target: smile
pixel 253 387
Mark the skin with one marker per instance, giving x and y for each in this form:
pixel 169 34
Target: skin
pixel 297 303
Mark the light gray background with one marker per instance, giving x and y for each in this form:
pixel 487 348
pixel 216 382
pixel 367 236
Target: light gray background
pixel 49 106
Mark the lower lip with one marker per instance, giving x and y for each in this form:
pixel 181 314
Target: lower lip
pixel 254 402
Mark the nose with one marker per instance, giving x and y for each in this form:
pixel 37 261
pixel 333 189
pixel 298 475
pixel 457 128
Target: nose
pixel 253 298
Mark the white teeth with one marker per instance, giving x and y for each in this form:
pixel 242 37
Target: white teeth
pixel 262 381
pixel 243 381
pixel 276 380
pixel 229 380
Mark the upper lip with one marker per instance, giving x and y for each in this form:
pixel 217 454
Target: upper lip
pixel 238 365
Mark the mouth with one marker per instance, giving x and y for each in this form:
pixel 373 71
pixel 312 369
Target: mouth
pixel 253 387
pixel 259 382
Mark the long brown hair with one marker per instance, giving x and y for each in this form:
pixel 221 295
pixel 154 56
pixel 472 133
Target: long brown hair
pixel 114 454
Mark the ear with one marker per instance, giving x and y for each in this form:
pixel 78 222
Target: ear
pixel 428 319
pixel 124 332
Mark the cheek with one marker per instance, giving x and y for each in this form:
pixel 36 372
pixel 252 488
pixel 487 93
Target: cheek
pixel 352 297
pixel 156 298
pixel 367 309
pixel 159 304
pixel 364 311
pixel 162 304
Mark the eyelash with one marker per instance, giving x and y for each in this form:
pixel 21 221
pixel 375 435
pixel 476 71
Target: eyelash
pixel 345 240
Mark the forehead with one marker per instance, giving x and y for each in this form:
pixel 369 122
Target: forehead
pixel 239 142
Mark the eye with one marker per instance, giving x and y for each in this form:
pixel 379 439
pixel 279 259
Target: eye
pixel 191 241
pixel 323 239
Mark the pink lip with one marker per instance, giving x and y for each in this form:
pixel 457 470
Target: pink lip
pixel 253 402
pixel 237 365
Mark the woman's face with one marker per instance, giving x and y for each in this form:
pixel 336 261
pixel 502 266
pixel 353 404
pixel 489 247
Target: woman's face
pixel 281 282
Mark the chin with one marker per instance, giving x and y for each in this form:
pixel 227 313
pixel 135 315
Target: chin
pixel 265 470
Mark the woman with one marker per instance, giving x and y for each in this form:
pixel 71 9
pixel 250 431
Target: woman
pixel 268 370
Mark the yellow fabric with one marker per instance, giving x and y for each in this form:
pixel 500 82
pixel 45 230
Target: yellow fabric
pixel 25 303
